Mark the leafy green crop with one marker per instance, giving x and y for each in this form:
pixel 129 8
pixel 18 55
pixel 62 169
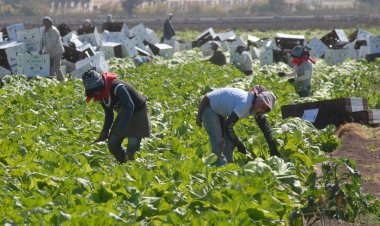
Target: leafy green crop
pixel 53 175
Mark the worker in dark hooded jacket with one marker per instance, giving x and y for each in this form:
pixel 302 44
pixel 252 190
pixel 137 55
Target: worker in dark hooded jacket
pixel 168 33
pixel 132 119
pixel 220 109
pixel 218 57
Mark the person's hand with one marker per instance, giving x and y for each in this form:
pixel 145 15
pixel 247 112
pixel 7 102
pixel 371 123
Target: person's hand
pixel 241 148
pixel 291 80
pixel 40 52
pixel 102 137
pixel 281 74
pixel 199 121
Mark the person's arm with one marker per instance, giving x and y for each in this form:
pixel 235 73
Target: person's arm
pixel 202 106
pixel 264 126
pixel 229 131
pixel 127 112
pixel 108 118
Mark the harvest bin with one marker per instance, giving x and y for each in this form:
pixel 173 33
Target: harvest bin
pixel 335 112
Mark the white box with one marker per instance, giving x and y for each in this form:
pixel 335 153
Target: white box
pixel 335 56
pixel 114 37
pixel 31 38
pixel 12 49
pixel 94 38
pixel 206 49
pixel 353 53
pixel 32 65
pixel 362 34
pixel 94 61
pixel 1 36
pixel 79 72
pixel 70 39
pixel 151 36
pixel 255 53
pixel 317 46
pixel 4 71
pixel 138 30
pixel 373 43
pixel 266 57
pixel 137 41
pixel 363 51
pixel 238 41
pixel 183 46
pixel 226 36
pixel 129 49
pixel 124 31
pixel 165 50
pixel 109 49
pixel 12 29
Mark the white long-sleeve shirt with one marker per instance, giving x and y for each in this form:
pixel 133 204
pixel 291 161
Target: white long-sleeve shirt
pixel 51 41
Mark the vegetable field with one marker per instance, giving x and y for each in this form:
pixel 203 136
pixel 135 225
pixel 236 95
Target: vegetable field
pixel 52 175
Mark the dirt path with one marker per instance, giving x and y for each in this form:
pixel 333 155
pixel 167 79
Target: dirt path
pixel 362 144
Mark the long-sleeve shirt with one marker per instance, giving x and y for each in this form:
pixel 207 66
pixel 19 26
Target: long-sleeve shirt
pixel 232 104
pixel 243 61
pixel 218 58
pixel 123 99
pixel 168 30
pixel 303 73
pixel 51 41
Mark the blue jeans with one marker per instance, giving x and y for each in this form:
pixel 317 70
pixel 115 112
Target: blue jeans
pixel 221 145
pixel 121 155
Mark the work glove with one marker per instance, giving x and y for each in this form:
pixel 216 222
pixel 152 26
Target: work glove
pixel 281 74
pixel 103 136
pixel 40 52
pixel 241 148
pixel 291 80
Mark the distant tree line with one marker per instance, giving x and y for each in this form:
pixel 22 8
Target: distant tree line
pixel 133 7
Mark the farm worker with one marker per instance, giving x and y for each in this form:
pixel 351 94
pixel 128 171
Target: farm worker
pixel 168 33
pixel 132 121
pixel 52 44
pixel 139 60
pixel 86 27
pixel 243 60
pixel 108 21
pixel 302 70
pixel 220 109
pixel 218 57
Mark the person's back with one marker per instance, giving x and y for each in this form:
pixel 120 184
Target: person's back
pixel 218 58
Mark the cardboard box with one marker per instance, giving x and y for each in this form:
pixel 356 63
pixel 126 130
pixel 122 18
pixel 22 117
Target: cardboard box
pixel 151 36
pixel 72 54
pixel 266 57
pixel 335 56
pixel 129 49
pixel 4 72
pixel 288 42
pixel 317 48
pixel 72 40
pixel 330 112
pixel 206 49
pixel 165 50
pixel 138 30
pixel 226 36
pixel 33 65
pixel 94 39
pixel 336 39
pixel 252 40
pixel 31 38
pixel 9 52
pixel 359 34
pixel 12 29
pixel 204 37
pixel 97 61
pixel 113 26
pixel 373 43
pixel 111 49
pixel 185 45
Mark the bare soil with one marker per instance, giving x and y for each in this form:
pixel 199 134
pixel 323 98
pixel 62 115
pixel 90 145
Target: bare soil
pixel 361 144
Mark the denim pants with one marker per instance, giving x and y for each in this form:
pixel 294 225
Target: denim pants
pixel 221 145
pixel 122 155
